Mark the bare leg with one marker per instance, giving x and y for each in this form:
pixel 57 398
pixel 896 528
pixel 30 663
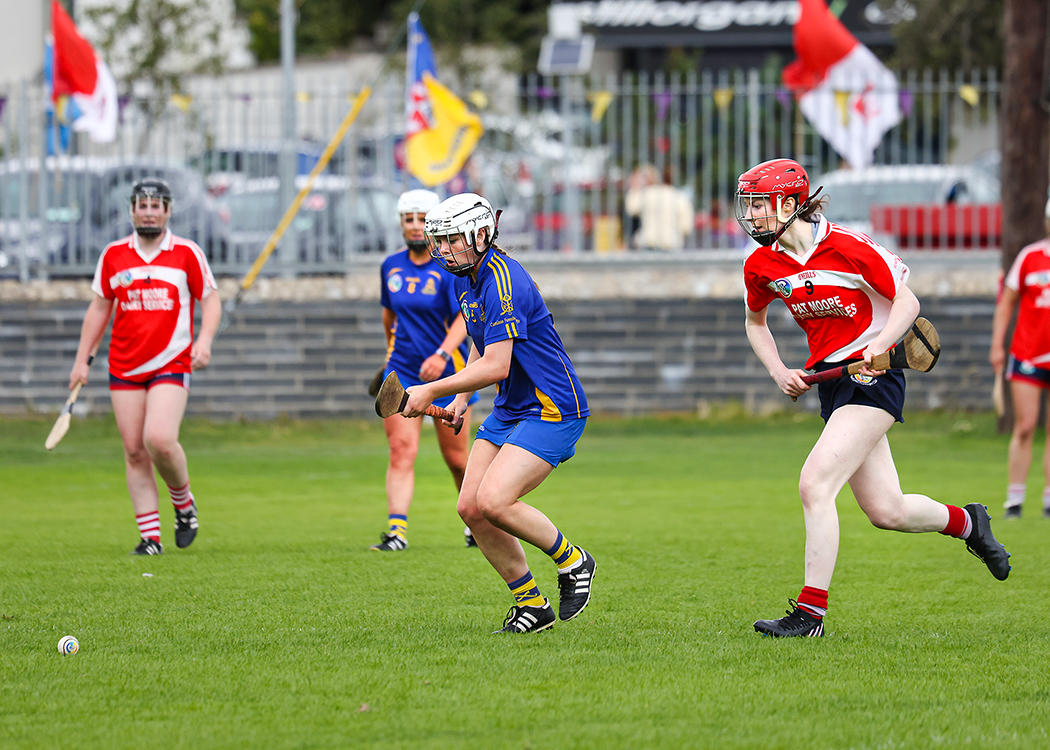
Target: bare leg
pixel 129 410
pixel 1026 415
pixel 403 437
pixel 490 505
pixel 455 449
pixel 878 491
pixel 849 436
pixel 165 407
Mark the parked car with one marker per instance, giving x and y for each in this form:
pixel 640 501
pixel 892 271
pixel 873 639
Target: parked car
pixel 225 166
pixel 917 206
pixel 77 206
pixel 335 219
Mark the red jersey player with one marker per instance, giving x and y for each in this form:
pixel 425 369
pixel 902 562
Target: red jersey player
pixel 851 298
pixel 1026 288
pixel 148 281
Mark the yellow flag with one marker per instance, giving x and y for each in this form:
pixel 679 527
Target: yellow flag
pixel 722 99
pixel 436 155
pixel 182 101
pixel 969 94
pixel 600 101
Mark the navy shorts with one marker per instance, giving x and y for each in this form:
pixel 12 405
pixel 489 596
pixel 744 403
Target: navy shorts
pixel 177 378
pixel 1027 372
pixel 885 392
pixel 554 442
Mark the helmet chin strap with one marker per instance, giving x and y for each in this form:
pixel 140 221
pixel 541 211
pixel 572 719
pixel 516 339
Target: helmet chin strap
pixel 149 233
pixel 416 245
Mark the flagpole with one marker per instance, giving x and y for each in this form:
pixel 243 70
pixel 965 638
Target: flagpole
pixel 322 162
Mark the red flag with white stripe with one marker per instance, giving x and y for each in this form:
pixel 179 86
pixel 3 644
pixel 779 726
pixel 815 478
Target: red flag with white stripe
pixel 845 92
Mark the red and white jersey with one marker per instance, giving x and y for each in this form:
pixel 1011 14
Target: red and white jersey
pixel 1029 276
pixel 154 293
pixel 839 293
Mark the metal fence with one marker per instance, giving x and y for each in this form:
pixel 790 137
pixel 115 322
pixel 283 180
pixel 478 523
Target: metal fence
pixel 557 155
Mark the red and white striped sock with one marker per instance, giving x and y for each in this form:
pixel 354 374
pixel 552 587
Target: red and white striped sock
pixel 959 523
pixel 814 601
pixel 149 525
pixel 181 497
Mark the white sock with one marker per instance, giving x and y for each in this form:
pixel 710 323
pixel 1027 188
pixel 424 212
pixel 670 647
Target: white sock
pixel 1015 495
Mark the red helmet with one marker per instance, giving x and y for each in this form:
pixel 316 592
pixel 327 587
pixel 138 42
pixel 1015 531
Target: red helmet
pixel 776 180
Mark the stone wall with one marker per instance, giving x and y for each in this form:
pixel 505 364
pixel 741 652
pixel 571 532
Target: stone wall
pixel 646 336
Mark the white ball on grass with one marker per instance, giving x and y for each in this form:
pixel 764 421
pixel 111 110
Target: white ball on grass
pixel 68 645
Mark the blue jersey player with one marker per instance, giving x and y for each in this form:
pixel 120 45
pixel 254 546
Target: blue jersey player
pixel 425 337
pixel 538 414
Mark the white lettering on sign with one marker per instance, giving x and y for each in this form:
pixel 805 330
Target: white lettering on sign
pixel 714 15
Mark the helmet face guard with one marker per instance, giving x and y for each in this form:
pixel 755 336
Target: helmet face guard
pixel 761 194
pixel 452 229
pixel 143 193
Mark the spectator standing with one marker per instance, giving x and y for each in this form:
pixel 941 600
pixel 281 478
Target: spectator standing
pixel 664 211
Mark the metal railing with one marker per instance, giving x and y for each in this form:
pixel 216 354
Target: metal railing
pixel 557 155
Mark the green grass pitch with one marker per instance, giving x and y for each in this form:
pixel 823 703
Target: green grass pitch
pixel 279 629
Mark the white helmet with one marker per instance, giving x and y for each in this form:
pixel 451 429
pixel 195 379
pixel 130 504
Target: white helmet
pixel 417 202
pixel 463 214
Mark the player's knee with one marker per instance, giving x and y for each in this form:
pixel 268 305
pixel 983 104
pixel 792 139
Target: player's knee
pixel 1024 430
pixel 136 456
pixel 467 508
pixel 403 455
pixel 891 518
pixel 160 445
pixel 491 509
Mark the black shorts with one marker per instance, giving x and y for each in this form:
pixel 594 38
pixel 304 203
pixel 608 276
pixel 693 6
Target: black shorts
pixel 885 392
pixel 1027 372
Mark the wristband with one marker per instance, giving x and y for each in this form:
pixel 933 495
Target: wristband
pixel 443 354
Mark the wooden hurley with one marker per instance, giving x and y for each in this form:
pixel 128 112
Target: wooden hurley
pixel 919 350
pixel 392 398
pixel 62 423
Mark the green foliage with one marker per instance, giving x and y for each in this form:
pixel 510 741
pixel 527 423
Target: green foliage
pixel 279 629
pixel 953 34
pixel 323 26
pixel 158 41
pixel 326 26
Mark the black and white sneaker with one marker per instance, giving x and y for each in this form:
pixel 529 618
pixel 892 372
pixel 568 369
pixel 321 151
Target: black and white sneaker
pixel 390 543
pixel 1014 511
pixel 469 538
pixel 528 619
pixel 148 547
pixel 982 542
pixel 574 588
pixel 185 526
pixel 797 623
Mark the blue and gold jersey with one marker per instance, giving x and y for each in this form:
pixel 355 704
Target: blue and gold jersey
pixel 505 304
pixel 424 300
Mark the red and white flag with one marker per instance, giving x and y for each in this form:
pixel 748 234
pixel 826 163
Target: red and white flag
pixel 845 92
pixel 84 78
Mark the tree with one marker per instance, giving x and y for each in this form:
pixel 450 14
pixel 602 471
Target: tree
pixel 1025 131
pixel 325 26
pixel 152 45
pixel 949 34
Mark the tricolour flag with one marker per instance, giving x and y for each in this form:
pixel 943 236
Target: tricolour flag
pixel 440 132
pixel 82 86
pixel 845 92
